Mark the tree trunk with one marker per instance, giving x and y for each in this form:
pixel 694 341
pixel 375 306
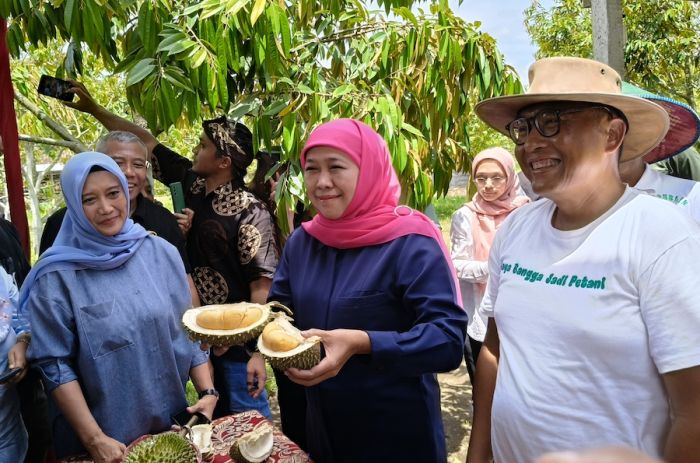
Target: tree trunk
pixel 29 173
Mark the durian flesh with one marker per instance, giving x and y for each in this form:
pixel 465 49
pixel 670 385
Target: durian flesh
pixel 255 446
pixel 226 324
pixel 163 448
pixel 228 318
pixel 284 347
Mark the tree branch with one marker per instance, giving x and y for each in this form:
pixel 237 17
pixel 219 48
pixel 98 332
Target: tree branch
pixel 50 123
pixel 73 146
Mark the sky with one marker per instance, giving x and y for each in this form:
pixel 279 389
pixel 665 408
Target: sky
pixel 502 19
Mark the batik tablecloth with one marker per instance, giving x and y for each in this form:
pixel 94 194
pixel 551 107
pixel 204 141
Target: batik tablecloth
pixel 229 428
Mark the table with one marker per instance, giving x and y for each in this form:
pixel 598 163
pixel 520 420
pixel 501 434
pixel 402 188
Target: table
pixel 229 428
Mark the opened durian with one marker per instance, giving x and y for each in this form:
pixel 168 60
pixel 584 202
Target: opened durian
pixel 284 347
pixel 228 324
pixel 255 446
pixel 168 447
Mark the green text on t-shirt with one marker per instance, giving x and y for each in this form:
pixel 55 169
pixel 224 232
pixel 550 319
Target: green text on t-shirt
pixel 570 281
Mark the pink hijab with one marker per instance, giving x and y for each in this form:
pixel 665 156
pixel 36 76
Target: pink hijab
pixel 373 215
pixel 490 214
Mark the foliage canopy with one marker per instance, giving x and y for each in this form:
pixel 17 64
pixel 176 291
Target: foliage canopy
pixel 286 66
pixel 662 53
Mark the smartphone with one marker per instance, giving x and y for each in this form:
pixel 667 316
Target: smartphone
pixel 183 418
pixel 178 197
pixel 55 88
pixel 7 375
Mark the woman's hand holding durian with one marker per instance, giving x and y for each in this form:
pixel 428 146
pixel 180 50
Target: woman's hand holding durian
pixel 339 345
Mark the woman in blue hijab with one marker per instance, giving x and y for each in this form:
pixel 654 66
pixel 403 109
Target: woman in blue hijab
pixel 105 303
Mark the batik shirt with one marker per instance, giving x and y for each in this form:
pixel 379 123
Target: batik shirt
pixel 231 242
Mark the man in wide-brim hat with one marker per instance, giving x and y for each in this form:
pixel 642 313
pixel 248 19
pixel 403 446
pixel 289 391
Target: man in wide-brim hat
pixel 592 294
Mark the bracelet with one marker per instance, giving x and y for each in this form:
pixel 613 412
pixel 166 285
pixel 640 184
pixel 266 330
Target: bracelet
pixel 25 338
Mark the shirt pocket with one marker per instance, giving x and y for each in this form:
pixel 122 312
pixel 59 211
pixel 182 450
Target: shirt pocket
pixel 103 328
pixel 375 311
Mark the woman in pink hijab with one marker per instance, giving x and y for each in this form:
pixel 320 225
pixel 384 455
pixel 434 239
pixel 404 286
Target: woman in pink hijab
pixel 374 280
pixel 473 228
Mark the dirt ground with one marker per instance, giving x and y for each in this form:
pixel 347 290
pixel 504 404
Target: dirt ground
pixel 456 394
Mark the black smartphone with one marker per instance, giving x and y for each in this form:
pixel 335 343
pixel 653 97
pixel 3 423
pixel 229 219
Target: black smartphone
pixel 183 417
pixel 55 88
pixel 7 375
pixel 178 197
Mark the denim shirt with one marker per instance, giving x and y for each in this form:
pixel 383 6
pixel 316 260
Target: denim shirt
pixel 119 334
pixel 9 317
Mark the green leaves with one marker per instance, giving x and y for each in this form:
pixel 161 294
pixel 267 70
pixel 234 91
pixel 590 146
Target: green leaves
pixel 284 67
pixel 258 8
pixel 663 41
pixel 140 71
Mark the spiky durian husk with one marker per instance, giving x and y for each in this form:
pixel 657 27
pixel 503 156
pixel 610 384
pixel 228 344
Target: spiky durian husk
pixel 305 359
pixel 163 448
pixel 225 339
pixel 242 336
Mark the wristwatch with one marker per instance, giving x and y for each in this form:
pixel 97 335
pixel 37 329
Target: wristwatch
pixel 213 392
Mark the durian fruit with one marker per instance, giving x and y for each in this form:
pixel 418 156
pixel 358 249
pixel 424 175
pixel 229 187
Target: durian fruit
pixel 284 347
pixel 228 324
pixel 200 435
pixel 255 446
pixel 168 447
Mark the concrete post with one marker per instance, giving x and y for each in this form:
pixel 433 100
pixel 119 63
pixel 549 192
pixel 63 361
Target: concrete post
pixel 608 33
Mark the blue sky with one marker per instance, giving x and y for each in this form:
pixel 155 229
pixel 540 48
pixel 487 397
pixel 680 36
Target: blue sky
pixel 502 19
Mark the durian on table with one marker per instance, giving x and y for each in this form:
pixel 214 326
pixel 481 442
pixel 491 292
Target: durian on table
pixel 168 447
pixel 254 446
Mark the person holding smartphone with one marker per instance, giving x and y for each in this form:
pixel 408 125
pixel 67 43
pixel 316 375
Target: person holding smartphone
pixel 231 244
pixel 14 339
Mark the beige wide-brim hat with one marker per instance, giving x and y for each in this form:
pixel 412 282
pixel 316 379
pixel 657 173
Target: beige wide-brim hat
pixel 584 80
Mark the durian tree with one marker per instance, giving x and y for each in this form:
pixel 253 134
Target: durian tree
pixel 662 52
pixel 285 66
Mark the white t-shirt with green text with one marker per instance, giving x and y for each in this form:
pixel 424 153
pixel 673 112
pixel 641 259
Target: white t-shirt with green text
pixel 588 321
pixel 679 191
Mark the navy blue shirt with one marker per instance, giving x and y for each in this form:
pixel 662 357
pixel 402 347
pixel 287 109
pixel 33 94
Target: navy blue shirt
pixel 385 406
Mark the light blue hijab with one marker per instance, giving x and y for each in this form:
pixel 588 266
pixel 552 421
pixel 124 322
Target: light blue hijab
pixel 78 244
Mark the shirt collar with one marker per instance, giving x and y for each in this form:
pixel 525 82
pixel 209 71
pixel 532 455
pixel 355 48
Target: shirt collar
pixel 140 210
pixel 647 182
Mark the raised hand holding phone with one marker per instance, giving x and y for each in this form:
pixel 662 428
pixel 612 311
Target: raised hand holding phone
pixel 55 88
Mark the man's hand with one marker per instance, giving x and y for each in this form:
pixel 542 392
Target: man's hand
pixel 340 345
pixel 86 103
pixel 257 375
pixel 184 220
pixel 17 358
pixel 104 449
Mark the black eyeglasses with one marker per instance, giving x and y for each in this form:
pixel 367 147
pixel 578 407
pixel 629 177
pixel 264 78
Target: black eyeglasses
pixel 547 122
